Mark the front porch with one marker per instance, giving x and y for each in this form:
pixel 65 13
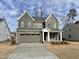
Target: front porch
pixel 51 35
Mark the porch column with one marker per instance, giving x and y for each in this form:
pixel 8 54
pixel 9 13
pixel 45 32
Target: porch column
pixel 61 36
pixel 48 36
pixel 43 36
pixel 17 37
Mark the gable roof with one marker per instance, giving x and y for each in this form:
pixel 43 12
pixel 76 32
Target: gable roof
pixel 38 18
pixel 24 14
pixel 51 15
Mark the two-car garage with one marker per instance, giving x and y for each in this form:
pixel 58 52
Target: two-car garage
pixel 30 37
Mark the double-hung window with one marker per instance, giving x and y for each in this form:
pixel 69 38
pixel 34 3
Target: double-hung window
pixel 29 24
pixel 22 24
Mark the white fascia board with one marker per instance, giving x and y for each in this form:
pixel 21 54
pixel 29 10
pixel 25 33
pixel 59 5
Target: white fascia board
pixel 24 13
pixel 48 17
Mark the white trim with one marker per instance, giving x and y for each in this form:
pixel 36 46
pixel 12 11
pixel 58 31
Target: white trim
pixel 27 13
pixel 48 36
pixel 43 36
pixel 21 15
pixel 48 17
pixel 51 15
pixel 61 36
pixel 46 29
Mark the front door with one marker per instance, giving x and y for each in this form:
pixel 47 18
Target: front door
pixel 45 36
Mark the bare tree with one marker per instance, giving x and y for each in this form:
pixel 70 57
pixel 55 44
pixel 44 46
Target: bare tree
pixel 71 15
pixel 69 18
pixel 40 9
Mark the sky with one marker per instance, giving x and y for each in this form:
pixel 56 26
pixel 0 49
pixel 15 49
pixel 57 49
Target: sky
pixel 12 9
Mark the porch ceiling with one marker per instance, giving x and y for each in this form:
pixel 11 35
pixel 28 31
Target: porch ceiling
pixel 49 30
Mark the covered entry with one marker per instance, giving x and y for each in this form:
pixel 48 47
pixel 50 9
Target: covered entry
pixel 31 37
pixel 47 34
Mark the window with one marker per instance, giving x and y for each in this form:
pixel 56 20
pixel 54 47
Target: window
pixel 55 25
pixel 37 25
pixel 49 25
pixel 69 36
pixel 29 24
pixel 52 25
pixel 69 29
pixel 22 24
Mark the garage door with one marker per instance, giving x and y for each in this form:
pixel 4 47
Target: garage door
pixel 30 38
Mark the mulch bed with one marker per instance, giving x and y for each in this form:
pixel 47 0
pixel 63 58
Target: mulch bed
pixel 59 43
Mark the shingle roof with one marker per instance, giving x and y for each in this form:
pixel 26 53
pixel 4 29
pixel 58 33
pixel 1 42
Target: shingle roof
pixel 76 26
pixel 1 19
pixel 39 18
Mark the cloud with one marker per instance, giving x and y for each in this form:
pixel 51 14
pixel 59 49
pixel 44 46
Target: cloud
pixel 11 9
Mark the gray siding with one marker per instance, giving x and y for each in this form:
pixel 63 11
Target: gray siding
pixel 26 18
pixel 73 31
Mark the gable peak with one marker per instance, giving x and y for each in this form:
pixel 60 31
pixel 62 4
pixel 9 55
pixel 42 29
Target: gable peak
pixel 25 11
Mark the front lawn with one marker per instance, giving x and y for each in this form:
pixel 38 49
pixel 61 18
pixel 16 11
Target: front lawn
pixel 65 51
pixel 5 49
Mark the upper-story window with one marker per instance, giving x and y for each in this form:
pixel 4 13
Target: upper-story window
pixel 55 26
pixel 49 25
pixel 22 24
pixel 29 24
pixel 69 29
pixel 52 25
pixel 37 25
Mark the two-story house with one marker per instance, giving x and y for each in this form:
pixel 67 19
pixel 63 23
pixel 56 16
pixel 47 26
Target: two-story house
pixel 37 29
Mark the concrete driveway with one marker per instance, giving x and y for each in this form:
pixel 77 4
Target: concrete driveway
pixel 31 51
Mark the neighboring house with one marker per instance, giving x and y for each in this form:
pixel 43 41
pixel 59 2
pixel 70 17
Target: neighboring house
pixel 37 29
pixel 71 32
pixel 4 30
